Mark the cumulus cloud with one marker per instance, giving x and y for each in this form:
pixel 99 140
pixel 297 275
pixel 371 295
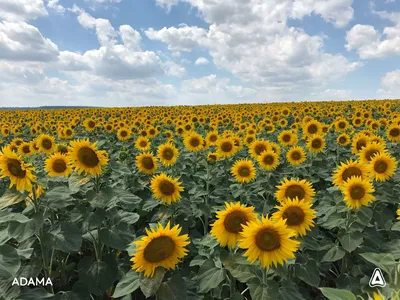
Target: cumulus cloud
pixel 20 41
pixel 332 94
pixel 201 61
pixel 22 10
pixel 390 85
pixel 105 4
pixel 54 4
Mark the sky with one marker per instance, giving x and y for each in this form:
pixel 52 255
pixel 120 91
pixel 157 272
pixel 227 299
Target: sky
pixel 118 53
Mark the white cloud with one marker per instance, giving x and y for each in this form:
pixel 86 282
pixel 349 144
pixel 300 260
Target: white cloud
pixel 201 61
pixel 105 4
pixel 332 94
pixel 53 4
pixel 173 69
pixel 130 37
pixel 23 42
pixel 178 39
pixel 22 10
pixel 390 85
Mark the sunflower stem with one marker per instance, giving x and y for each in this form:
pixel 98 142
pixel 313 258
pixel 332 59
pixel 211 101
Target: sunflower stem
pixel 206 199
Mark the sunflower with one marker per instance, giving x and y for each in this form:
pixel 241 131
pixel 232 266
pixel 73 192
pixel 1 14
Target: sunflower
pixel 295 188
pixel 243 170
pixel 269 242
pixel 226 147
pixel 193 141
pixel 85 157
pixel 398 213
pixel 212 157
pixel 58 165
pixel 393 133
pixel 142 143
pixel 287 138
pixel 146 163
pixel 19 172
pixel 89 124
pixel 68 133
pixel 165 188
pixel 34 147
pixel 46 143
pixel 257 147
pixel 347 170
pixel 357 192
pixel 382 166
pixel 161 247
pixel 123 134
pixel 299 215
pixel 316 143
pixel 268 160
pixel 167 154
pixel 249 139
pixel 25 149
pixel 212 138
pixel 296 156
pixel 343 139
pixel 371 149
pixel 228 225
pixel 359 141
pixel 312 127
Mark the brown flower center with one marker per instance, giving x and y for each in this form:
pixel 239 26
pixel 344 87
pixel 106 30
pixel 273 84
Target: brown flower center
pixel 316 143
pixel 395 132
pixel 233 221
pixel 380 166
pixel 143 144
pixel 26 149
pixel 59 166
pixel 350 172
pixel 14 167
pixel 226 146
pixel 168 154
pixel 286 138
pixel 268 239
pixel 342 140
pixel 370 154
pixel 159 249
pixel 294 216
pixel 312 128
pixel 360 144
pixel 213 138
pixel 296 155
pixel 194 142
pixel 47 144
pixel 91 124
pixel 357 192
pixel 244 171
pixel 88 157
pixel 167 187
pixel 269 159
pixel 294 191
pixel 148 163
pixel 124 133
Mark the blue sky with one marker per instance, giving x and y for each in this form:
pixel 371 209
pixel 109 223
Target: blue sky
pixel 174 52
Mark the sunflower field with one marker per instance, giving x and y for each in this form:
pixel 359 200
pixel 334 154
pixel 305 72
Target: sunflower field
pixel 285 201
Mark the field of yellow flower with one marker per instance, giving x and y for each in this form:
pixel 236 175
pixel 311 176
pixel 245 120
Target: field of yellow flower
pixel 284 201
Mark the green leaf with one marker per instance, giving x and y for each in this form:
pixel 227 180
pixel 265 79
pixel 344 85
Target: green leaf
pixel 99 278
pixel 209 276
pixel 385 261
pixel 34 294
pixel 125 217
pixel 337 294
pixel 114 238
pixel 150 285
pixel 334 254
pixel 396 226
pixel 128 284
pixel 75 182
pixel 174 289
pixel 22 231
pixel 308 273
pixel 239 268
pixel 7 290
pixel 26 253
pixel 58 197
pixel 289 291
pixel 11 197
pixel 265 291
pixel 351 241
pixel 9 262
pixel 6 216
pixel 66 238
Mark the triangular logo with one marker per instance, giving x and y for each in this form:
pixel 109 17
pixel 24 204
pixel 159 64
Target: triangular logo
pixel 377 279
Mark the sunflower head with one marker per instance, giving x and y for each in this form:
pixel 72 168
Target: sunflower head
pixel 393 133
pixel 243 170
pixel 299 215
pixel 316 143
pixel 382 166
pixel 347 170
pixel 161 247
pixel 212 157
pixel 357 192
pixel 268 160
pixel 146 163
pixel 166 188
pixel 343 139
pixel 85 157
pixel 270 242
pixel 123 134
pixel 296 156
pixel 226 147
pixel 228 225
pixel 46 143
pixel 371 149
pixel 58 165
pixel 295 188
pixel 167 154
